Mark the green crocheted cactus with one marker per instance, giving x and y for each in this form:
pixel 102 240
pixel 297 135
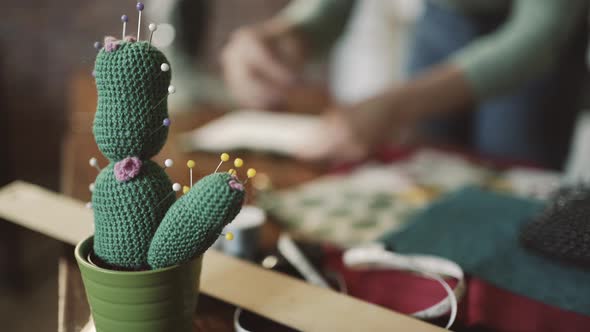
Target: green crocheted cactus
pixel 132 195
pixel 127 214
pixel 196 220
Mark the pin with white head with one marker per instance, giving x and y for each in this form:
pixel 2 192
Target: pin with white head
pixel 163 68
pixel 94 163
pixel 191 164
pixel 89 205
pixel 139 7
pixel 97 45
pixel 124 19
pixel 175 188
pixel 152 27
pixel 223 158
pixel 91 187
pixel 168 163
pixel 171 91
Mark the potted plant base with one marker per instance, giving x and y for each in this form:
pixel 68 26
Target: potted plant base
pixel 133 301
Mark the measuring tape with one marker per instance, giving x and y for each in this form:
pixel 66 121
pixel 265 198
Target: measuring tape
pixel 375 255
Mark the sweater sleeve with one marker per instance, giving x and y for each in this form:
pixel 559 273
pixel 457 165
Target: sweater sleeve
pixel 523 48
pixel 322 21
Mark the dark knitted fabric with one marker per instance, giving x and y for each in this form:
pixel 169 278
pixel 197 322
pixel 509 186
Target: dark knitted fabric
pixel 562 230
pixel 127 214
pixel 130 84
pixel 195 221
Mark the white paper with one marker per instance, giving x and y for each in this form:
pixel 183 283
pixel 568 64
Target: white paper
pixel 280 133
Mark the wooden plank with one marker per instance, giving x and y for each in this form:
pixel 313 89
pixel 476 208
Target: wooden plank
pixel 46 212
pixel 270 294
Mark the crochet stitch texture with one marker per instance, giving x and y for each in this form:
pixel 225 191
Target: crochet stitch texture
pixel 130 84
pixel 127 214
pixel 195 221
pixel 132 195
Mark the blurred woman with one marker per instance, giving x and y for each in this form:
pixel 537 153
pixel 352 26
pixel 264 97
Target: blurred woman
pixel 502 77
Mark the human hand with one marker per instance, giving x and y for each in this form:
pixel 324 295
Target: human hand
pixel 261 62
pixel 352 133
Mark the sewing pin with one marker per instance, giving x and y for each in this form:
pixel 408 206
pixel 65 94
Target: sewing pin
pixel 94 163
pixel 139 7
pixel 124 19
pixel 250 173
pixel 224 157
pixel 171 90
pixel 168 163
pixel 228 236
pixel 165 123
pixel 191 164
pixel 175 187
pixel 238 162
pixel 152 27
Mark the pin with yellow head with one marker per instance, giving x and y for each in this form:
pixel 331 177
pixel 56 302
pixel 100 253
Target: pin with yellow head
pixel 191 164
pixel 250 173
pixel 223 158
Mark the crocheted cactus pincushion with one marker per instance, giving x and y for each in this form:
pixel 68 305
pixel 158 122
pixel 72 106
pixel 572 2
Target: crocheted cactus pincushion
pixel 132 195
pixel 196 220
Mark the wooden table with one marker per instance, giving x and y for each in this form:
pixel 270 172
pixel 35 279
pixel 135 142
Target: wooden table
pixel 79 147
pixel 212 314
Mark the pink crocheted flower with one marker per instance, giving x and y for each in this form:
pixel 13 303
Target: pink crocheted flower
pixel 236 185
pixel 111 44
pixel 127 169
pixel 130 39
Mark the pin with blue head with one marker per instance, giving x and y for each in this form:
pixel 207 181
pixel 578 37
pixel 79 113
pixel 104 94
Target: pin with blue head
pixel 124 19
pixel 139 8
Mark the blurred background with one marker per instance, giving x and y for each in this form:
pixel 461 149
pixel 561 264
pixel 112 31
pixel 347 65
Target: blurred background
pixel 44 47
pixel 47 99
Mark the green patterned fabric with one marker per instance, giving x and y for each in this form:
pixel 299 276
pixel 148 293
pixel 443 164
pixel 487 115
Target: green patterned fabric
pixel 127 214
pixel 195 222
pixel 130 84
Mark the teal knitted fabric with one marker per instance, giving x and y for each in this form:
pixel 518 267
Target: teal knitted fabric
pixel 130 84
pixel 196 220
pixel 127 214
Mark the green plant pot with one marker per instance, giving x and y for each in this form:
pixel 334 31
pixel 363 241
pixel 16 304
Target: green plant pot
pixel 147 301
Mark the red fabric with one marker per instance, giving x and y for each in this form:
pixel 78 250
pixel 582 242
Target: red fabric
pixel 483 305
